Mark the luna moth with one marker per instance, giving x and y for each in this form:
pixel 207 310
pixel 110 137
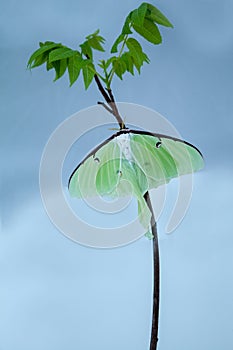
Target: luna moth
pixel 131 162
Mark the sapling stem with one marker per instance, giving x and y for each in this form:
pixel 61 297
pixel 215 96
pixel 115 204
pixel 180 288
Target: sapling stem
pixel 109 98
pixel 115 110
pixel 156 288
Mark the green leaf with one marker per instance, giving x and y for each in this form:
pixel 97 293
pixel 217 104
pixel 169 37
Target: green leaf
pixel 149 31
pixel 138 15
pixel 156 16
pixel 102 64
pixel 60 68
pixel 109 61
pixel 105 64
pixel 120 38
pixel 100 39
pixel 145 58
pixel 133 45
pixel 61 53
pixel 126 26
pixel 119 67
pixel 95 43
pixel 49 65
pixel 86 50
pixel 137 64
pixel 88 73
pixel 127 58
pixel 135 51
pixel 45 43
pixel 93 34
pixel 43 48
pixel 38 61
pixel 74 67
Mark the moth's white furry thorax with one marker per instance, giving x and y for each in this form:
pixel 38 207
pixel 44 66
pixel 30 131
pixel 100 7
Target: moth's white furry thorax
pixel 123 141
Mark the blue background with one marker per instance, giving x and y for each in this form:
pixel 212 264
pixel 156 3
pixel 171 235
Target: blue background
pixel 55 294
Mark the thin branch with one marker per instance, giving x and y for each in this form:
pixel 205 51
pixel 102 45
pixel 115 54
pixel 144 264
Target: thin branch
pixel 110 100
pixel 105 106
pixel 115 110
pixel 102 90
pixel 155 315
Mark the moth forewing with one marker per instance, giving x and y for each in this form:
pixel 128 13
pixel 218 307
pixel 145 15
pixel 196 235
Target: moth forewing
pixel 186 157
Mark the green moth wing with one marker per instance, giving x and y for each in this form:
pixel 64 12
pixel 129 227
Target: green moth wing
pixel 131 162
pixel 163 158
pixel 82 182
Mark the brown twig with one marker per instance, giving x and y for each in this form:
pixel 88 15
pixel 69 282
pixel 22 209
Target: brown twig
pixel 102 90
pixel 105 106
pixel 109 98
pixel 115 109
